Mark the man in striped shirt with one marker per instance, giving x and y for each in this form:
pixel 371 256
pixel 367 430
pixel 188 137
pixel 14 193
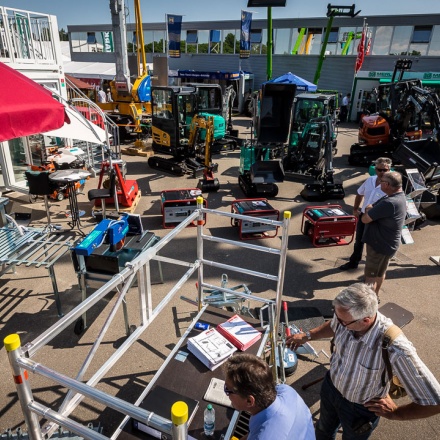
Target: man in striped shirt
pixel 353 393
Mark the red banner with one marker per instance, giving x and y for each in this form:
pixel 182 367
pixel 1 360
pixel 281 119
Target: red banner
pixel 361 52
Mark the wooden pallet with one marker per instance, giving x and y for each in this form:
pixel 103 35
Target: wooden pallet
pixel 134 151
pixel 110 209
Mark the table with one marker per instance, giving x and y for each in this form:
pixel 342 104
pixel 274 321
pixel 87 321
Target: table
pixel 191 378
pixel 70 177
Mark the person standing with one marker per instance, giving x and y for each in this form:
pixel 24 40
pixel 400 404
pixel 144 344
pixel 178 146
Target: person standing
pixel 368 193
pixel 354 392
pixel 345 107
pixel 277 411
pixel 384 221
pixel 101 96
pixel 109 96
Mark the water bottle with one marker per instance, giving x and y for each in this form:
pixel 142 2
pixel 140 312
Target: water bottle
pixel 209 420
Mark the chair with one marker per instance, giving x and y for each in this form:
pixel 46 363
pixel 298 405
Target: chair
pixel 104 193
pixel 40 185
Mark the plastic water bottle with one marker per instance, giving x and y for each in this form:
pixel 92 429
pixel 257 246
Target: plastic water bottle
pixel 209 420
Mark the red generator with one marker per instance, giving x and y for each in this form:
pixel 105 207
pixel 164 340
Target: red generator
pixel 328 225
pixel 248 229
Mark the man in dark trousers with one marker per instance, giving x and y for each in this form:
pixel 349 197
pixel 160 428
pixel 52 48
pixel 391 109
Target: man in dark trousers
pixel 354 393
pixel 368 193
pixel 384 221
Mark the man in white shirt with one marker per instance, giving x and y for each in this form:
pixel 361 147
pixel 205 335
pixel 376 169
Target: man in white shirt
pixel 344 107
pixel 101 96
pixel 369 192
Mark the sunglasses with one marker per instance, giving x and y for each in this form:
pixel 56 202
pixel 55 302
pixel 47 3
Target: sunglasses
pixel 228 391
pixel 343 323
pixel 382 170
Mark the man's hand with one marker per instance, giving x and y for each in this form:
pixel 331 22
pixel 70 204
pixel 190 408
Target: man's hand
pixel 356 212
pixel 296 340
pixel 382 407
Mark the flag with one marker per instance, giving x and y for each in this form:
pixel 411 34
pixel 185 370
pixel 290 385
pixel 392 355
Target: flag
pixel 245 35
pixel 361 51
pixel 174 27
pixel 107 40
pixel 367 50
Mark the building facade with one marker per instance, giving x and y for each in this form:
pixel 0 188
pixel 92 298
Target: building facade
pixel 214 46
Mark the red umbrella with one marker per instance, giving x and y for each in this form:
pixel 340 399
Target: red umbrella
pixel 26 107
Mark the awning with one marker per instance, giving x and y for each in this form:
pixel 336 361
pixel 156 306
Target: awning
pixel 26 107
pixel 79 128
pixel 302 85
pixel 79 84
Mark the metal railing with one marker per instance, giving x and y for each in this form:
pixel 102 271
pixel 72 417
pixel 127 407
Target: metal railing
pixel 27 37
pixel 21 357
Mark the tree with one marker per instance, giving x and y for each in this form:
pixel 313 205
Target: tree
pixel 64 36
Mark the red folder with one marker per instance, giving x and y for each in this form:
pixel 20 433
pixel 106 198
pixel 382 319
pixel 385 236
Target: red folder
pixel 240 333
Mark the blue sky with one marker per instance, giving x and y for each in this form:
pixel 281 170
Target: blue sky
pixel 97 11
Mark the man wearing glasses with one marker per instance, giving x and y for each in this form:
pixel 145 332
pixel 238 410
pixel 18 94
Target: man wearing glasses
pixel 384 222
pixel 369 192
pixel 354 393
pixel 277 411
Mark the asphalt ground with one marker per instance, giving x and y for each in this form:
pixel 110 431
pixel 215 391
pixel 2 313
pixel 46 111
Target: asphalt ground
pixel 312 279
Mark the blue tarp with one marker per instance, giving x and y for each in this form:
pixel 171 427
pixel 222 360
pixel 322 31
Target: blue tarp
pixel 302 85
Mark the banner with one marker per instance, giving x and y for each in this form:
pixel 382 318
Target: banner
pixel 107 41
pixel 245 35
pixel 174 27
pixel 361 51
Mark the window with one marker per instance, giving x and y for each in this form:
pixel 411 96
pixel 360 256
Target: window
pixel 256 36
pixel 434 47
pixel 282 41
pixel 421 34
pixel 228 41
pixel 203 42
pixel 214 41
pixel 382 39
pixel 91 38
pixel 400 42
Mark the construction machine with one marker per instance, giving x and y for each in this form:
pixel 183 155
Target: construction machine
pixel 260 165
pixel 311 159
pixel 182 137
pixel 131 107
pixel 396 119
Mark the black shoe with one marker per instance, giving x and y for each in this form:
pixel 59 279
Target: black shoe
pixel 349 265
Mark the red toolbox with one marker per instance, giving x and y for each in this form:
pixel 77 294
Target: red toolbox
pixel 328 225
pixel 178 204
pixel 249 230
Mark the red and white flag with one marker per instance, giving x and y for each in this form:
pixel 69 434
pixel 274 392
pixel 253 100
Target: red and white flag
pixel 361 51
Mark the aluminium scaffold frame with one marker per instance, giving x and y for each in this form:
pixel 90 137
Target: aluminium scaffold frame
pixel 21 357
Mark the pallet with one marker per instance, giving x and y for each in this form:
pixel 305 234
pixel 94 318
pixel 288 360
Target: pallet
pixel 111 211
pixel 134 151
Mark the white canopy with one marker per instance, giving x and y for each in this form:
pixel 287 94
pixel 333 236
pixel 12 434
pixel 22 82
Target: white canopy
pixel 79 128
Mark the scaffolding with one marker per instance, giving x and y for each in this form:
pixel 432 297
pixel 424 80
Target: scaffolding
pixel 21 358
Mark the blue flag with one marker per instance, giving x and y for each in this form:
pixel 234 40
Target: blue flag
pixel 174 26
pixel 245 35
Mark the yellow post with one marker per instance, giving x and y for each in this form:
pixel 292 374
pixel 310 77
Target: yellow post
pixel 24 392
pixel 179 417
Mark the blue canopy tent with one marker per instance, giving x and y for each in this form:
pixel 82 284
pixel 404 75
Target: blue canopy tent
pixel 302 85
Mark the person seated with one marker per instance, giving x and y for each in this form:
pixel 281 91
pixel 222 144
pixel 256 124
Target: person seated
pixel 277 411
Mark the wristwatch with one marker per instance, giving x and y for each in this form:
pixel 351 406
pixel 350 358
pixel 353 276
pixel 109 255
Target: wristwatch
pixel 309 336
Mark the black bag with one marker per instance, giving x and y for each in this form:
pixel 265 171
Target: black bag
pixel 396 388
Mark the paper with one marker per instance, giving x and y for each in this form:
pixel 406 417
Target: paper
pixel 216 393
pixel 239 332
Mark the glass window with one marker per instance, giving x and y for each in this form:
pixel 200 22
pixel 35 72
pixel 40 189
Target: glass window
pixel 434 47
pixel 203 45
pixel 422 34
pixel 79 41
pixel 162 103
pixel 159 41
pixel 214 41
pixel 400 42
pixel 256 35
pixel 381 42
pixel 148 41
pixel 347 40
pixel 228 41
pixel 314 39
pixel 333 37
pixel 282 41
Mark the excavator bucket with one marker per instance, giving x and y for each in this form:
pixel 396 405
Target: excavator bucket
pixel 267 171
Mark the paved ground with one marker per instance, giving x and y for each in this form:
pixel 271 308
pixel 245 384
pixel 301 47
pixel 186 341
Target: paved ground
pixel 312 279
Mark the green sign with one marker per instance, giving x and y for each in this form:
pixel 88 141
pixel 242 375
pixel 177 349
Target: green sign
pixel 107 41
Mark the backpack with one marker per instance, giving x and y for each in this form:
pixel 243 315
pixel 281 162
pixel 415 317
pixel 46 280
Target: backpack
pixel 396 388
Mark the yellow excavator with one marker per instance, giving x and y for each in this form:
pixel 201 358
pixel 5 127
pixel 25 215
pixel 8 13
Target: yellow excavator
pixel 131 106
